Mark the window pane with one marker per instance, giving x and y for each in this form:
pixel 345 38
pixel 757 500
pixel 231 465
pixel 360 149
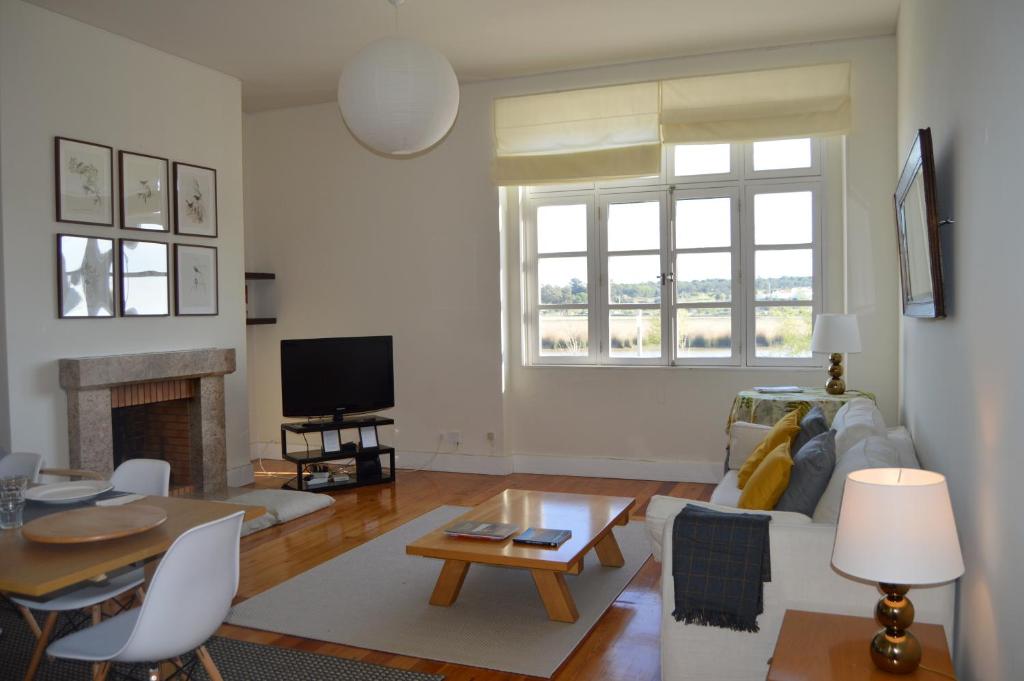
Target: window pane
pixel 562 229
pixel 782 331
pixel 634 333
pixel 784 275
pixel 563 333
pixel 634 226
pixel 634 279
pixel 562 281
pixel 703 277
pixel 783 218
pixel 703 223
pixel 701 159
pixel 704 332
pixel 782 154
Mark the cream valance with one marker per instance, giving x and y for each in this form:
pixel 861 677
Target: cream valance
pixel 617 131
pixel 739 107
pixel 597 133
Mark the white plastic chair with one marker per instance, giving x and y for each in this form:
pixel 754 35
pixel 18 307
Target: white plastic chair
pixel 189 596
pixel 21 463
pixel 151 477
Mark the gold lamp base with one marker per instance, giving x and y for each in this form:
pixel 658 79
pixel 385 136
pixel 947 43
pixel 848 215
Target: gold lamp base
pixel 836 385
pixel 894 649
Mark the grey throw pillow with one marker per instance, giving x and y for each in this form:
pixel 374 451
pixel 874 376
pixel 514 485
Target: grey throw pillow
pixel 812 425
pixel 812 469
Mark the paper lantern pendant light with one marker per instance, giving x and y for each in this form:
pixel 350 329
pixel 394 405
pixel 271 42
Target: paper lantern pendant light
pixel 398 96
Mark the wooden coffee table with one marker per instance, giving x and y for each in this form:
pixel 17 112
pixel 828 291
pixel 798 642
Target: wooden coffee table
pixel 590 517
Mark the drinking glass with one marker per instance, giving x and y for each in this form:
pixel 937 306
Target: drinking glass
pixel 12 501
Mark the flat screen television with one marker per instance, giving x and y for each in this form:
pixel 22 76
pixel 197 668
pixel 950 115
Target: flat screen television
pixel 337 376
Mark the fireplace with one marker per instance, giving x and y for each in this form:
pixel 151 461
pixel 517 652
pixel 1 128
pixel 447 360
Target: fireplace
pixel 164 405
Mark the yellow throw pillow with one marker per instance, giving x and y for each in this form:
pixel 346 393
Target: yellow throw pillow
pixel 783 431
pixel 769 481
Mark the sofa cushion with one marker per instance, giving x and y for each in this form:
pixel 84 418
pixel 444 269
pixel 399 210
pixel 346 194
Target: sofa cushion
pixel 900 438
pixel 743 440
pixel 727 492
pixel 857 419
pixel 812 470
pixel 871 452
pixel 769 481
pixel 812 425
pixel 781 433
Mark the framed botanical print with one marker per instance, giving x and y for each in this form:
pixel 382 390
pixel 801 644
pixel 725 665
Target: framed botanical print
pixel 144 192
pixel 145 279
pixel 85 277
pixel 84 182
pixel 195 200
pixel 195 271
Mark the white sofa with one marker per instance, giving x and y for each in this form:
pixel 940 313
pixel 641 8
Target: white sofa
pixel 801 571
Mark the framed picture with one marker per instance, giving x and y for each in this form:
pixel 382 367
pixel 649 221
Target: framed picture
pixel 332 441
pixel 84 182
pixel 85 277
pixel 144 192
pixel 195 200
pixel 145 279
pixel 195 269
pixel 368 437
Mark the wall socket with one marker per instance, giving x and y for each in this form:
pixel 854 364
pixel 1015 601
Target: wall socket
pixel 453 438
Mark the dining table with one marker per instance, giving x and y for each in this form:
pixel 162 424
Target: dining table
pixel 29 568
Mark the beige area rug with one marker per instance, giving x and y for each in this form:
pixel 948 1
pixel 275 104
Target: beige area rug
pixel 375 596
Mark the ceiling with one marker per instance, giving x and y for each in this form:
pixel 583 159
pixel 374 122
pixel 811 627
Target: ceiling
pixel 290 52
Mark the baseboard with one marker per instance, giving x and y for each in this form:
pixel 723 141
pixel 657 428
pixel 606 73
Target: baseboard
pixel 455 463
pixel 241 475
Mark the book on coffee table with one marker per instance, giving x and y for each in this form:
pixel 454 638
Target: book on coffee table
pixel 474 529
pixel 538 536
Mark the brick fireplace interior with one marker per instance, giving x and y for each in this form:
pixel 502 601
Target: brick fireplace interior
pixel 153 421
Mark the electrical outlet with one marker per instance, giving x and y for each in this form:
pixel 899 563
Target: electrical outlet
pixel 453 438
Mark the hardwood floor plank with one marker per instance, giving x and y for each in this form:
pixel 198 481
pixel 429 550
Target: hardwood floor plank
pixel 622 646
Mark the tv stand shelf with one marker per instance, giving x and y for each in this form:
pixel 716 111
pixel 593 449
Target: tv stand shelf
pixel 350 451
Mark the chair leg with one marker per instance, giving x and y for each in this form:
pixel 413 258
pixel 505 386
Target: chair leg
pixel 30 620
pixel 140 594
pixel 97 615
pixel 41 643
pixel 100 671
pixel 208 664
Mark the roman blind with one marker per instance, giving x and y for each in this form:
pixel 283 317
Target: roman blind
pixel 597 133
pixel 739 107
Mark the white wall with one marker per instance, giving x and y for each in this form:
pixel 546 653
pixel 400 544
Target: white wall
pixel 62 77
pixel 363 244
pixel 960 74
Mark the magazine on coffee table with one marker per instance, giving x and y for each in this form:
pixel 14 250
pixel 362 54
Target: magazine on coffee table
pixel 539 536
pixel 475 529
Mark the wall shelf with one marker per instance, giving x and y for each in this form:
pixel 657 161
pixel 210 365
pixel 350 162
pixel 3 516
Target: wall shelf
pixel 251 321
pixel 260 298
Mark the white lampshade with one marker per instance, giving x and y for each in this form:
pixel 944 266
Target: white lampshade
pixel 835 333
pixel 896 526
pixel 398 96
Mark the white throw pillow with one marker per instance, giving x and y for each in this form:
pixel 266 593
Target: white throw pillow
pixel 743 438
pixel 871 452
pixel 857 419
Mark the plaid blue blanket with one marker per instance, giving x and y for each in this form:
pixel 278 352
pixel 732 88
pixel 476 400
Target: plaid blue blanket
pixel 719 564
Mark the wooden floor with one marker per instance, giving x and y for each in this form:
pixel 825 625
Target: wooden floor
pixel 623 646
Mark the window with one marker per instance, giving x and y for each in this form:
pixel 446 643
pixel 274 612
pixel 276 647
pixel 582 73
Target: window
pixel 714 262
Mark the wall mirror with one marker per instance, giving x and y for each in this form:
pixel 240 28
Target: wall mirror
pixel 145 279
pixel 917 227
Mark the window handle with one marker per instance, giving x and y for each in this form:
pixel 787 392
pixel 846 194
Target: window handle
pixel 666 278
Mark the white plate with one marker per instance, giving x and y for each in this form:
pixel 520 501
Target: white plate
pixel 68 492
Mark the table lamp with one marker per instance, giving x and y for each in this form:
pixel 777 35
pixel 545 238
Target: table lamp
pixel 835 334
pixel 896 528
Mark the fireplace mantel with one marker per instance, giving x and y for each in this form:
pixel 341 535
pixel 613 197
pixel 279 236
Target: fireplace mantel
pixel 88 382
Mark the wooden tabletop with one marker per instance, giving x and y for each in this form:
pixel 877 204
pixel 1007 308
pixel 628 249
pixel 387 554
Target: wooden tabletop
pixel 32 569
pixel 815 645
pixel 589 516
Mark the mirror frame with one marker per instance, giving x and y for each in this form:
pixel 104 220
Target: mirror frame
pixel 920 160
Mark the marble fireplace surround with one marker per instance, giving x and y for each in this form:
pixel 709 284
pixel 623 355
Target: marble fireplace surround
pixel 88 382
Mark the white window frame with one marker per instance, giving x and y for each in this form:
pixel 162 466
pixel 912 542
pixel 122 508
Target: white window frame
pixel 740 184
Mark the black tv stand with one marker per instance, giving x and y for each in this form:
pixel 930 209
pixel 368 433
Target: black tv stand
pixel 363 456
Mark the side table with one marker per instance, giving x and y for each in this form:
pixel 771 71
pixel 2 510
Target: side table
pixel 816 645
pixel 767 408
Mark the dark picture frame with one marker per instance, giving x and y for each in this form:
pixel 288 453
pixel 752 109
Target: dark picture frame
pixel 195 200
pixel 197 288
pixel 81 286
pixel 83 182
pixel 917 232
pixel 135 189
pixel 134 298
